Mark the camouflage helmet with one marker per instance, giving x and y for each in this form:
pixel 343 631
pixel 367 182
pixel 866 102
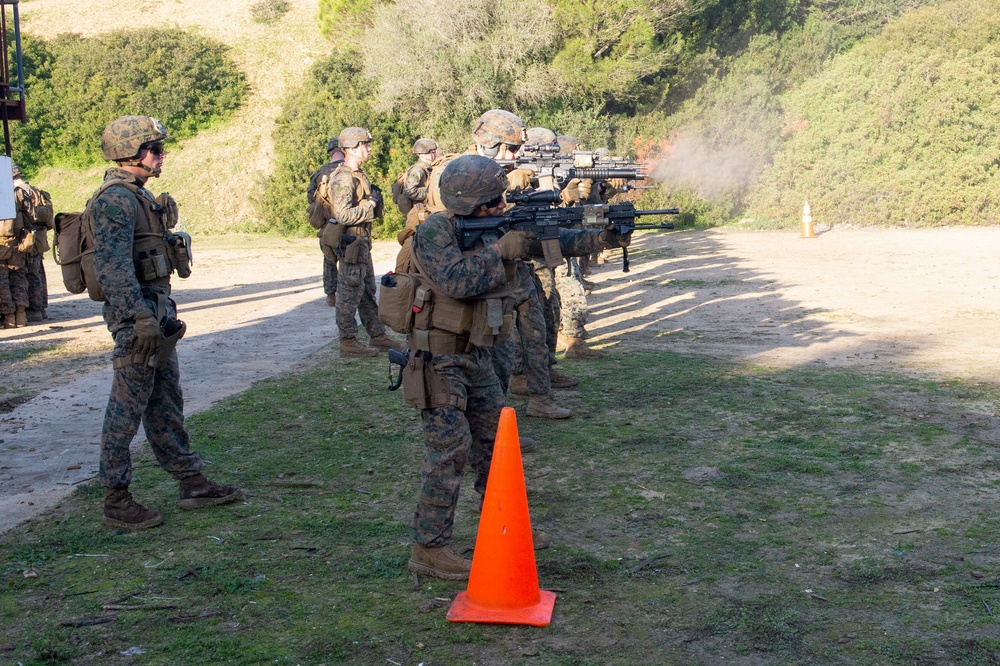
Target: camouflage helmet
pixel 540 135
pixel 471 180
pixel 424 146
pixel 567 144
pixel 497 126
pixel 602 153
pixel 352 136
pixel 332 144
pixel 124 136
pixel 15 170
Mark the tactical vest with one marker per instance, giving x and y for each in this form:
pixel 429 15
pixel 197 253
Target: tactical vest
pixel 445 325
pixel 151 255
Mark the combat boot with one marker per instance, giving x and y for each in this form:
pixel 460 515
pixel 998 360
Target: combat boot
pixel 351 347
pixel 7 321
pixel 198 491
pixel 528 444
pixel 559 380
pixel 383 342
pixel 35 315
pixel 576 348
pixel 20 317
pixel 544 407
pixel 331 300
pixel 519 385
pixel 441 562
pixel 122 511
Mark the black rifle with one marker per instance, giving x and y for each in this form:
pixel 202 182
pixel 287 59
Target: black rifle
pixel 534 213
pixel 544 160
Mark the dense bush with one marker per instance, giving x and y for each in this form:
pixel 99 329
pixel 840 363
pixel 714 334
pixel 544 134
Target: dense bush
pixel 77 85
pixel 900 130
pixel 333 97
pixel 268 11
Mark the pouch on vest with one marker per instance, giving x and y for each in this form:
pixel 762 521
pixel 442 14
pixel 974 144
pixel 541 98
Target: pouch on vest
pixel 172 330
pixel 41 241
pixel 396 301
pixel 179 244
pixel 330 236
pixel 171 215
pixel 403 202
pixel 353 249
pixel 27 243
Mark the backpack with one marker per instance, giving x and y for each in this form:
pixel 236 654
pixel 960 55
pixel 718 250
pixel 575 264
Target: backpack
pixel 73 251
pixel 42 202
pixel 321 207
pixel 403 202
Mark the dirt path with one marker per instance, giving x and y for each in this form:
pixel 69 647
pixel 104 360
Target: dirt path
pixel 921 302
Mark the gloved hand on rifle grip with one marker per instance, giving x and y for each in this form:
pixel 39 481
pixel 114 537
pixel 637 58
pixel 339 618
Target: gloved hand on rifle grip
pixel 147 335
pixel 514 245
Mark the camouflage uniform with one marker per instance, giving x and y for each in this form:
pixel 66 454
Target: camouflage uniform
pixel 416 180
pixel 13 267
pixel 138 392
pixel 455 438
pixel 329 258
pixel 350 189
pixel 572 299
pixel 38 288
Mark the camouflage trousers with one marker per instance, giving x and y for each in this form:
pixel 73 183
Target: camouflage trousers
pixel 154 397
pixel 532 355
pixel 502 357
pixel 549 295
pixel 455 439
pixel 356 294
pixel 38 288
pixel 13 289
pixel 572 300
pixel 329 274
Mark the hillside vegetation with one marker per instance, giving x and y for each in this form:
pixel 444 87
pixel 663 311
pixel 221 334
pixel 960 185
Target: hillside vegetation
pixel 748 108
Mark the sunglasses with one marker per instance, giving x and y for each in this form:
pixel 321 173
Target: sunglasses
pixel 156 149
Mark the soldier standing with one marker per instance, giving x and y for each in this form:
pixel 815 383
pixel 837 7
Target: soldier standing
pixel 413 190
pixel 356 204
pixel 451 376
pixel 329 256
pixel 133 260
pixel 16 240
pixel 38 224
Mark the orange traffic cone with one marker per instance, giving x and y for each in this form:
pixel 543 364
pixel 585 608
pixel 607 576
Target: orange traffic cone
pixel 503 584
pixel 808 231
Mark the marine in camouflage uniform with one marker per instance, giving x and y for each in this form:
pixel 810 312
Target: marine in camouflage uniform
pixel 137 309
pixel 16 239
pixel 329 258
pixel 458 391
pixel 38 288
pixel 356 204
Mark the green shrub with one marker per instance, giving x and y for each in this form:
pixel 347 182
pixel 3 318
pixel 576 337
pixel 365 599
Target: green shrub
pixel 77 85
pixel 269 11
pixel 335 95
pixel 900 130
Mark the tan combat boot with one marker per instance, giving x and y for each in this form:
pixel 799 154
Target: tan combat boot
pixel 351 347
pixel 440 562
pixel 20 317
pixel 528 444
pixel 576 348
pixel 198 491
pixel 383 342
pixel 544 407
pixel 559 380
pixel 35 315
pixel 519 385
pixel 7 321
pixel 122 511
pixel 331 300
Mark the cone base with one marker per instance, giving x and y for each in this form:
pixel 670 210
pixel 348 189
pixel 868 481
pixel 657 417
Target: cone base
pixel 539 615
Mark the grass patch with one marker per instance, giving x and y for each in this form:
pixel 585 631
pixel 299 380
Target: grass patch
pixel 709 512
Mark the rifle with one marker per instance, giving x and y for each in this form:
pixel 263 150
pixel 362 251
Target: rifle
pixel 535 214
pixel 545 161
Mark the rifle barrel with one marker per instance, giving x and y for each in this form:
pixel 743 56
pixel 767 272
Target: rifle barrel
pixel 658 211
